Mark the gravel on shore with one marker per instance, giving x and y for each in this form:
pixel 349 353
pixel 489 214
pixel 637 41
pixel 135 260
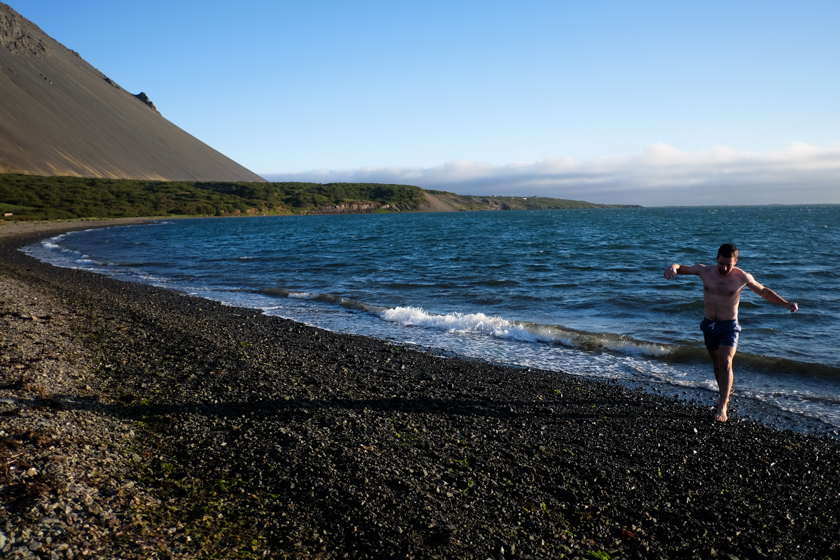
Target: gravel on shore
pixel 137 422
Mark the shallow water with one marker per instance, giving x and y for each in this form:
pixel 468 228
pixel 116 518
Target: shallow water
pixel 574 290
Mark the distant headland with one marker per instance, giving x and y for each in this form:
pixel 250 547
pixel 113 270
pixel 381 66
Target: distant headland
pixel 29 197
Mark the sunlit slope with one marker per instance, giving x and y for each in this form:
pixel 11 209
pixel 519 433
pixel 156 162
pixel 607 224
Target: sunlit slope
pixel 61 116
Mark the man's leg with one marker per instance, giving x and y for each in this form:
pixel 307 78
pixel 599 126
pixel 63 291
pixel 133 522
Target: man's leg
pixel 722 361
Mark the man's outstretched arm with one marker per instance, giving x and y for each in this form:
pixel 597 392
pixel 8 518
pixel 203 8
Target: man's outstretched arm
pixel 770 295
pixel 675 269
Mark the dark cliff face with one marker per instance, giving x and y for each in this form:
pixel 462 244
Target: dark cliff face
pixel 61 116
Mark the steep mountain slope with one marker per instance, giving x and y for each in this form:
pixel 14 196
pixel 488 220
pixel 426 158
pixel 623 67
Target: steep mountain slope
pixel 61 116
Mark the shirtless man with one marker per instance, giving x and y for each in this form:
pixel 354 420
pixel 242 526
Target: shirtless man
pixel 722 285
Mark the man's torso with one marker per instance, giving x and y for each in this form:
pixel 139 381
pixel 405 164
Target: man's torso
pixel 722 294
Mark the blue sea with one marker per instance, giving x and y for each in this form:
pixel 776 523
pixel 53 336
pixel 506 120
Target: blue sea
pixel 578 291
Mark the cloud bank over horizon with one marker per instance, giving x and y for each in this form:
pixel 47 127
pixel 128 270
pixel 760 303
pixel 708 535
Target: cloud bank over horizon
pixel 661 175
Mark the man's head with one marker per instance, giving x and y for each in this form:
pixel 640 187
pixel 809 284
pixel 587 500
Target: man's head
pixel 728 251
pixel 726 258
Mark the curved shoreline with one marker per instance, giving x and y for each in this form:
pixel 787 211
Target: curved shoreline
pixel 209 431
pixel 743 406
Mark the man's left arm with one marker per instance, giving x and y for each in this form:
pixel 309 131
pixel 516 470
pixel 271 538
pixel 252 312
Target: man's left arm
pixel 769 294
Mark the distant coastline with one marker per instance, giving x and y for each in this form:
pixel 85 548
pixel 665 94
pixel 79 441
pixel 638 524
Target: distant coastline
pixel 25 197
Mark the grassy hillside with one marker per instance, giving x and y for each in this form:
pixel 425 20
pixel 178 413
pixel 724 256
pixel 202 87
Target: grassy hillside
pixel 472 202
pixel 28 197
pixel 43 198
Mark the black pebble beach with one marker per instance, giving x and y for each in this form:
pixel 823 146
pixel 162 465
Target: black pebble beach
pixel 137 422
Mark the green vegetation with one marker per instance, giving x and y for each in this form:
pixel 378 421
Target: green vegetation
pixel 14 208
pixel 470 202
pixel 31 197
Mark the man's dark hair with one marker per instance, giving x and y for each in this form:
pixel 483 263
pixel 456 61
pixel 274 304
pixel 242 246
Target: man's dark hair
pixel 728 251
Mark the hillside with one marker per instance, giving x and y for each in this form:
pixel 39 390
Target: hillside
pixel 441 201
pixel 27 197
pixel 61 116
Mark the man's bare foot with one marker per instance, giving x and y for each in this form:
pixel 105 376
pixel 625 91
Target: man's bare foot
pixel 720 413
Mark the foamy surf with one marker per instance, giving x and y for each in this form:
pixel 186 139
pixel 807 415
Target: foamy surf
pixel 458 323
pixel 322 298
pixel 489 325
pixel 498 327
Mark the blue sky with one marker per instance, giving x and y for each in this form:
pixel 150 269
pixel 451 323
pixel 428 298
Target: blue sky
pixel 653 103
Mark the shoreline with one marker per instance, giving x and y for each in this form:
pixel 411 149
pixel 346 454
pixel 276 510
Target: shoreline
pixel 161 425
pixel 743 406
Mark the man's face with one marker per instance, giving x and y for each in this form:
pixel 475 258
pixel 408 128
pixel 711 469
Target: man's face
pixel 724 265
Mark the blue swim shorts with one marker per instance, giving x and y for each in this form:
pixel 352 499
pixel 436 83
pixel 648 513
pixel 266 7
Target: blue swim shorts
pixel 720 333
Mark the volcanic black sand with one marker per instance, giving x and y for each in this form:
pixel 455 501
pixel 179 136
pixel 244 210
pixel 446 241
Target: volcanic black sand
pixel 139 423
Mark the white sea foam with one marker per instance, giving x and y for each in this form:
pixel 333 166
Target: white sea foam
pixel 498 327
pixel 51 251
pixel 53 244
pixel 457 322
pixel 301 295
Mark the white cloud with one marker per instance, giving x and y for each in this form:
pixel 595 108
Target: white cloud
pixel 660 176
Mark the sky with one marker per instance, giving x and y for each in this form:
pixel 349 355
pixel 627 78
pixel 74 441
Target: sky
pixel 655 103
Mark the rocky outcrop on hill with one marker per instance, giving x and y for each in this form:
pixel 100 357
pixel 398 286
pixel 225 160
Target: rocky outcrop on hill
pixel 61 116
pixel 18 37
pixel 145 99
pixel 353 208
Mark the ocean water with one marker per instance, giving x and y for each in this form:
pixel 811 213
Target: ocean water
pixel 580 291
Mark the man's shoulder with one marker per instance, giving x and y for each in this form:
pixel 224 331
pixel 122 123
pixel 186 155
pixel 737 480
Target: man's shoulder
pixel 741 273
pixel 745 276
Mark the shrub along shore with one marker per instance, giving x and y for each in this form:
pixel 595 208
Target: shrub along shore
pixel 136 422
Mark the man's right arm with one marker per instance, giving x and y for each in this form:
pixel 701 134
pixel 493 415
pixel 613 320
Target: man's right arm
pixel 675 269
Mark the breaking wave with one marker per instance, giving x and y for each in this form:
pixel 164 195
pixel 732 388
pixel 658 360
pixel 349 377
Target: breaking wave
pixel 481 324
